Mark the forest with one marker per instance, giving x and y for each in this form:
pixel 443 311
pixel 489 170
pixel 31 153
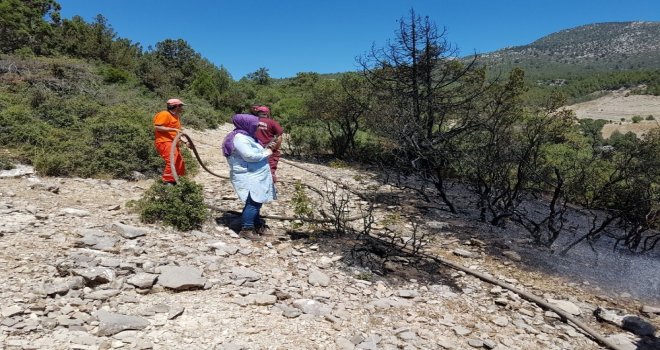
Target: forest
pixel 77 100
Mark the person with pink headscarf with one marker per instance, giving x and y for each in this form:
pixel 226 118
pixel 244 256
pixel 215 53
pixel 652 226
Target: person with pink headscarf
pixel 269 133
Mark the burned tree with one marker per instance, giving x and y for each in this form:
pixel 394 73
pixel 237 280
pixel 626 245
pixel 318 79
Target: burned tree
pixel 423 95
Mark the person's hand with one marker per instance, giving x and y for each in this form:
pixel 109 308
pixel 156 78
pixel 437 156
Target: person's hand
pixel 268 152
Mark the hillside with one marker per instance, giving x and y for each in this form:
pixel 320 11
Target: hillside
pixel 586 49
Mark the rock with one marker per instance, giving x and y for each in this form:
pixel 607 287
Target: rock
pixel 512 255
pixel 311 307
pixel 11 311
pixel 180 277
pixel 223 248
pixel 318 278
pixel 344 344
pixel 622 342
pixel 142 280
pixel 501 321
pixel 98 240
pixel 96 274
pixel 243 273
pixel 111 323
pixel 566 305
pixel 408 294
pixel 102 294
pixel 127 231
pixel 175 312
pixel 265 299
pixel 476 343
pixel 648 309
pixel 75 212
pixel 462 331
pixel 465 253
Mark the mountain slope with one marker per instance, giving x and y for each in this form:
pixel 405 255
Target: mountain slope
pixel 585 49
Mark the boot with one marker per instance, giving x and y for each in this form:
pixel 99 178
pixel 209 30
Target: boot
pixel 250 234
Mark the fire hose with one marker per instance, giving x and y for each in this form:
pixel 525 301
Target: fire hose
pixel 565 316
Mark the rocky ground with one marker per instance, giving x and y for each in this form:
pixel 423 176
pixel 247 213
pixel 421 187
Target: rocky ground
pixel 79 271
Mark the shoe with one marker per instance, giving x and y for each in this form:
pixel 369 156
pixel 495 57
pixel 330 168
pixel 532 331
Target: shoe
pixel 249 233
pixel 263 230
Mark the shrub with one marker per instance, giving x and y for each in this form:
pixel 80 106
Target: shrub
pixel 637 119
pixel 650 117
pixel 114 75
pixel 181 206
pixel 5 163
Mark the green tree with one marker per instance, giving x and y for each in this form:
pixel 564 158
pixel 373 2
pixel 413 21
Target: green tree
pixel 260 76
pixel 340 105
pixel 28 24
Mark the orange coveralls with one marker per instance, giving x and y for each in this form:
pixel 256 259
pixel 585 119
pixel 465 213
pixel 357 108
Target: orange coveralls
pixel 163 141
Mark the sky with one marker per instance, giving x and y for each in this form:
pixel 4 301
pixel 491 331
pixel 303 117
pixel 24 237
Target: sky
pixel 288 37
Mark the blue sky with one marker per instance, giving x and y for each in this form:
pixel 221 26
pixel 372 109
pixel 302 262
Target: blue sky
pixel 288 37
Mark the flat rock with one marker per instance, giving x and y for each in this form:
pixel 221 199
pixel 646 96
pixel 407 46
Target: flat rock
pixel 127 231
pixel 98 240
pixel 465 253
pixel 566 306
pixel 111 323
pixel 181 277
pixel 142 280
pixel 243 273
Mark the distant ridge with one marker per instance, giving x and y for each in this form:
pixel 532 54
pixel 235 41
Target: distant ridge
pixel 594 47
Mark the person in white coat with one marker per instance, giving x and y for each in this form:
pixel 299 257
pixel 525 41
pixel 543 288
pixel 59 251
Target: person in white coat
pixel 249 172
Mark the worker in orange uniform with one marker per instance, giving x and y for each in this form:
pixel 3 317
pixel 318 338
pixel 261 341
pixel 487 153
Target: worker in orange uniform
pixel 167 124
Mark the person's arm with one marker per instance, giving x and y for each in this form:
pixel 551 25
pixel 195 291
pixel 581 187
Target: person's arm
pixel 164 128
pixel 246 149
pixel 278 131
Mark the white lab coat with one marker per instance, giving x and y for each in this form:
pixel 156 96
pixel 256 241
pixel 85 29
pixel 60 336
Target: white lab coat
pixel 249 170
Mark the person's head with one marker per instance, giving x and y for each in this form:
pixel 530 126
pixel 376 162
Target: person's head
pixel 246 122
pixel 253 108
pixel 262 112
pixel 175 106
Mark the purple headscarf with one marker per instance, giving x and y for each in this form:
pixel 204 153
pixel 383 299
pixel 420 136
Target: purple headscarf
pixel 245 124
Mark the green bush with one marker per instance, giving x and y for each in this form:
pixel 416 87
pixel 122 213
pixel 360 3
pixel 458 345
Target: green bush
pixel 650 117
pixel 637 119
pixel 114 75
pixel 181 206
pixel 5 163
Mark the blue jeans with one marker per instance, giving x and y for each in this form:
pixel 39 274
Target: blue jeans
pixel 250 215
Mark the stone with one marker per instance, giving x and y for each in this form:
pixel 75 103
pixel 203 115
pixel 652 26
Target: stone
pixel 318 278
pixel 465 253
pixel 476 343
pixel 127 231
pixel 112 323
pixel 98 240
pixel 142 280
pixel 501 321
pixel 462 331
pixel 96 274
pixel 243 273
pixel 512 255
pixel 181 277
pixel 408 293
pixel 311 307
pixel 566 305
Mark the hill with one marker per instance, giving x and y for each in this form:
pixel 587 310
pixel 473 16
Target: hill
pixel 614 46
